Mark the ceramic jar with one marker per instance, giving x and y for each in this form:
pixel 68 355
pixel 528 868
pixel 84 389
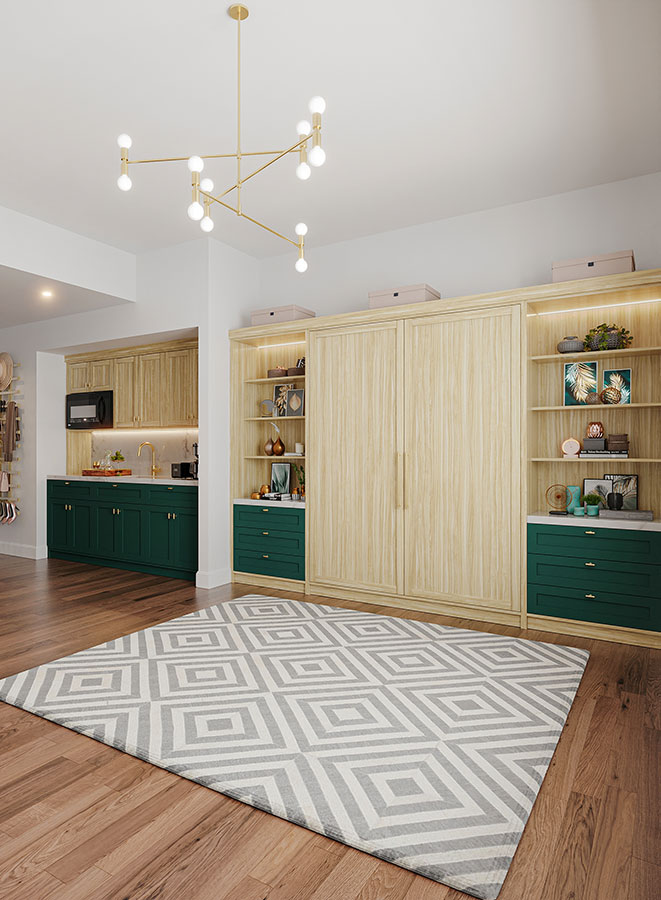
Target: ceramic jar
pixel 570 344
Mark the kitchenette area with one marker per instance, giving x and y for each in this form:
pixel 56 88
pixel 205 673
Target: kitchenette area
pixel 129 498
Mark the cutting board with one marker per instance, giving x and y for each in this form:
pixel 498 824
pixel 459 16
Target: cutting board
pixel 107 473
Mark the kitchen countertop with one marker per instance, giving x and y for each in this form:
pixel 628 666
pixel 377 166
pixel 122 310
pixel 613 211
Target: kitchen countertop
pixel 594 522
pixel 291 504
pixel 131 479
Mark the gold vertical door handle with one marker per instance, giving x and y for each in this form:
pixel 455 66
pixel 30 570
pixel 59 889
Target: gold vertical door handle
pixel 399 480
pixel 592 565
pixel 174 515
pixel 169 515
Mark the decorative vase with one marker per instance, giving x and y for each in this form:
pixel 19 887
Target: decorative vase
pixel 573 497
pixel 592 398
pixel 615 501
pixel 612 340
pixel 278 447
pixel 594 430
pixel 579 511
pixel 571 344
pixel 593 510
pixel 268 447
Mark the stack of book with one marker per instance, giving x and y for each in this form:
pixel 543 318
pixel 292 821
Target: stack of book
pixel 604 454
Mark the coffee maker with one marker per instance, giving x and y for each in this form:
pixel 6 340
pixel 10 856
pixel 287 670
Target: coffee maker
pixel 187 469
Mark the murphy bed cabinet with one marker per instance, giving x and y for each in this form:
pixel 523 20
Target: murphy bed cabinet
pixel 432 432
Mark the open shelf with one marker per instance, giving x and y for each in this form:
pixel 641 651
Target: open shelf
pixel 281 418
pixel 280 378
pixel 596 354
pixel 275 458
pixel 593 406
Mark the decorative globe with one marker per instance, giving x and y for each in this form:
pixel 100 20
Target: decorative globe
pixel 610 395
pixel 594 430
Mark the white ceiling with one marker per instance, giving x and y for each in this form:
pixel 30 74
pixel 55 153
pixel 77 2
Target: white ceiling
pixel 435 108
pixel 22 300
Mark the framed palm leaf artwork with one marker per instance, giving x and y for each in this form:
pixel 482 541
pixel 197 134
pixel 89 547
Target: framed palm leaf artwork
pixel 620 379
pixel 579 381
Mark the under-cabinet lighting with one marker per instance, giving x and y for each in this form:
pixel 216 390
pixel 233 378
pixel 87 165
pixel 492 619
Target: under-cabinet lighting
pixel 288 344
pixel 557 312
pixel 156 431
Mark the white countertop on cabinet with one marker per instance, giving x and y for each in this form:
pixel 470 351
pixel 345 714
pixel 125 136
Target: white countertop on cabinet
pixel 594 522
pixel 130 479
pixel 287 504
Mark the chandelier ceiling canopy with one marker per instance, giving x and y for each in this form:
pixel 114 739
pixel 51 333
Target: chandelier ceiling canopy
pixel 308 147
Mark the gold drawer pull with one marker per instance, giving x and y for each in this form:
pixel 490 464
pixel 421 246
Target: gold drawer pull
pixel 592 565
pixel 169 515
pixel 589 532
pixel 590 596
pixel 264 532
pixel 265 556
pixel 265 510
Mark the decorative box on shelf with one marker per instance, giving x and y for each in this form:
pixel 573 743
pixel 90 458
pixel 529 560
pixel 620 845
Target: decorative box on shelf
pixel 288 313
pixel 412 293
pixel 593 266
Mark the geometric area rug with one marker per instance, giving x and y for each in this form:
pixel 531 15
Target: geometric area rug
pixel 421 744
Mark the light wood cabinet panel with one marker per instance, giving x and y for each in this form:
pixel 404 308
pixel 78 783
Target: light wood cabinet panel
pixel 125 413
pixel 101 375
pixel 180 387
pixel 354 408
pixel 463 466
pixel 77 377
pixel 149 389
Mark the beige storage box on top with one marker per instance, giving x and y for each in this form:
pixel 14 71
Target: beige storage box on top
pixel 280 314
pixel 592 266
pixel 412 293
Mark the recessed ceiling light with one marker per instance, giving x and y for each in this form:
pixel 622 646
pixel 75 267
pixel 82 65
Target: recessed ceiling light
pixel 46 294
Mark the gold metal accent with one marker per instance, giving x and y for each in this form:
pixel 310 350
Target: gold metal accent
pixel 154 467
pixel 592 565
pixel 590 596
pixel 264 532
pixel 265 510
pixel 174 515
pixel 265 556
pixel 169 515
pixel 590 532
pixel 238 12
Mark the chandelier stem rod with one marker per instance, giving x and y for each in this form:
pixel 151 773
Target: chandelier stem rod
pixel 238 116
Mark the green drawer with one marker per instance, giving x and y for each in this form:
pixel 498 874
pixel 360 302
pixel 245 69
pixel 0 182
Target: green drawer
pixel 278 565
pixel 172 495
pixel 592 574
pixel 269 517
pixel 71 490
pixel 291 543
pixel 595 606
pixel 589 540
pixel 116 492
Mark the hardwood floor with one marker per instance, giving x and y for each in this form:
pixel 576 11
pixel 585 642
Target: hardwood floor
pixel 82 821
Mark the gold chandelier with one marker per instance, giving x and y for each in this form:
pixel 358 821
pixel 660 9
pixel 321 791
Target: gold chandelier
pixel 203 188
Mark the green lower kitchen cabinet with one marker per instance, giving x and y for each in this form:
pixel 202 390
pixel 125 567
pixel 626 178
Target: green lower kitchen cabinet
pixel 269 540
pixel 145 528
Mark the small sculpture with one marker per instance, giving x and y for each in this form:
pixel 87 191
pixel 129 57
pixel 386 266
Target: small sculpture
pixel 594 430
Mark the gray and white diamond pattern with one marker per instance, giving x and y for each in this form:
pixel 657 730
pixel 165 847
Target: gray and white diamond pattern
pixel 422 744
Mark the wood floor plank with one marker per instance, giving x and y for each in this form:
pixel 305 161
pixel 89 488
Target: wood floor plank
pixel 301 878
pixel 647 833
pixel 645 880
pixel 247 889
pixel 423 889
pixel 270 867
pixel 347 878
pixel 387 883
pixel 610 861
pixel 568 870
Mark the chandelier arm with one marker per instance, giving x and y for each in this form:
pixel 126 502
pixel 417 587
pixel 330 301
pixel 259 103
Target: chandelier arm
pixel 266 228
pixel 213 156
pixel 291 149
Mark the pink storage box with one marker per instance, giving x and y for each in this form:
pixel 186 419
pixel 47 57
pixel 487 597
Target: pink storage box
pixel 592 266
pixel 412 293
pixel 280 314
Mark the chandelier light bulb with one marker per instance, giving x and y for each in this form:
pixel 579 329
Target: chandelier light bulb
pixel 301 229
pixel 124 142
pixel 195 164
pixel 124 183
pixel 206 224
pixel 301 265
pixel 317 156
pixel 317 105
pixel 206 185
pixel 303 127
pixel 303 171
pixel 195 211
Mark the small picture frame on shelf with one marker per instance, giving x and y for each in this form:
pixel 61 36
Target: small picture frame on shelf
pixel 600 486
pixel 627 487
pixel 579 381
pixel 280 477
pixel 620 379
pixel 295 402
pixel 280 398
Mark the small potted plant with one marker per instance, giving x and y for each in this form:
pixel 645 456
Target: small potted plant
pixel 607 337
pixel 592 503
pixel 300 476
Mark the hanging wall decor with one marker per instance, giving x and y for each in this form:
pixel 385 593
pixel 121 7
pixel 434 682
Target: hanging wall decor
pixel 619 380
pixel 580 379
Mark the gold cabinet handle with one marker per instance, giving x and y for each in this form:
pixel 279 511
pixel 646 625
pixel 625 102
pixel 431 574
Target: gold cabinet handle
pixel 118 511
pixel 592 565
pixel 169 515
pixel 265 510
pixel 264 532
pixel 590 596
pixel 174 515
pixel 265 556
pixel 590 532
pixel 170 488
pixel 67 482
pixel 113 510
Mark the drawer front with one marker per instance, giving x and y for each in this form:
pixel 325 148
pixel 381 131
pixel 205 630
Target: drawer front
pixel 291 543
pixel 171 495
pixel 267 518
pixel 591 541
pixel 116 492
pixel 276 564
pixel 595 606
pixel 592 573
pixel 71 490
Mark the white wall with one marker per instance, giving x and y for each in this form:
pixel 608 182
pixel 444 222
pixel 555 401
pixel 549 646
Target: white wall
pixel 497 249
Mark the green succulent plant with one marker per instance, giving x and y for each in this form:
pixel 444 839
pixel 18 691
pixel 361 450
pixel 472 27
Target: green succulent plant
pixel 603 332
pixel 592 499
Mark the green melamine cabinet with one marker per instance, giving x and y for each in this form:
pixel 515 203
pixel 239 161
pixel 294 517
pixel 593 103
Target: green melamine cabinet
pixel 269 540
pixel 147 528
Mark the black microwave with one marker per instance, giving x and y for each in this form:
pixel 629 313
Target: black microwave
pixel 90 410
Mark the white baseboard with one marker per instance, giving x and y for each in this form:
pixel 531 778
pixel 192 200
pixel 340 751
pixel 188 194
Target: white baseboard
pixel 26 551
pixel 208 580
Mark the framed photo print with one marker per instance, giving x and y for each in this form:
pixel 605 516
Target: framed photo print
pixel 280 398
pixel 295 402
pixel 580 379
pixel 280 477
pixel 600 486
pixel 620 379
pixel 624 486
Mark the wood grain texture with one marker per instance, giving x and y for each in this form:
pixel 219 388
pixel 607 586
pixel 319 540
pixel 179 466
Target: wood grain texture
pixel 179 397
pixel 463 477
pixel 82 820
pixel 124 396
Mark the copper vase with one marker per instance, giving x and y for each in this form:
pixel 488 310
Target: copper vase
pixel 278 447
pixel 268 447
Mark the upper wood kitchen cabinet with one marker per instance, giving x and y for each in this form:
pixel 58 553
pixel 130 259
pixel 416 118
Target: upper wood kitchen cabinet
pixel 90 375
pixel 149 390
pixel 180 387
pixel 124 405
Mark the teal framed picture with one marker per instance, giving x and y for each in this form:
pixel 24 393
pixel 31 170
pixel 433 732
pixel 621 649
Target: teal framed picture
pixel 580 379
pixel 620 379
